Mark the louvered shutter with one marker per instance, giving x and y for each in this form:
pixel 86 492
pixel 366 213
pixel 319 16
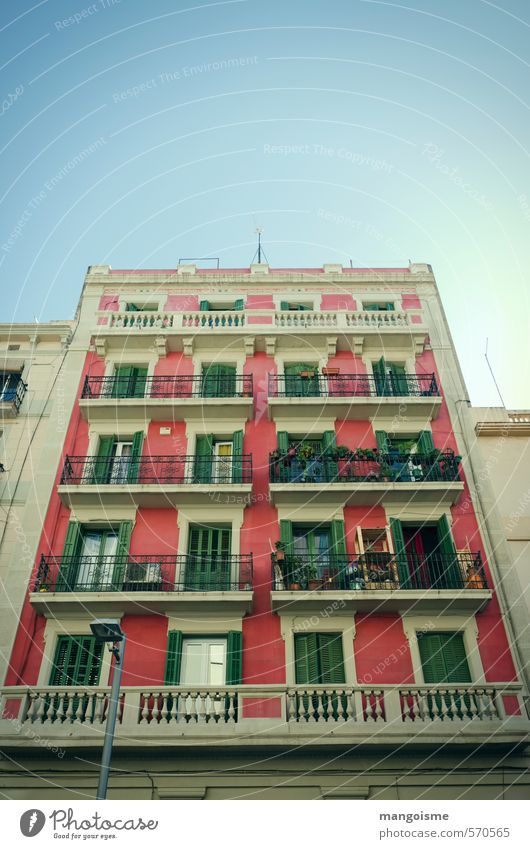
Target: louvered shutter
pixel 306 658
pixel 234 658
pixel 329 447
pixel 102 465
pixel 239 304
pixel 381 438
pixel 339 560
pixel 237 456
pixel 204 306
pixel 66 577
pixel 380 374
pixel 136 453
pixel 173 658
pixel 331 659
pixel 400 552
pixel 121 385
pixel 450 571
pixel 203 458
pixel 425 442
pixel 122 554
pixel 284 305
pixel 77 662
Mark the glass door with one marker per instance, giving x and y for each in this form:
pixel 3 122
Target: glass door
pixel 120 462
pixel 222 466
pixel 312 552
pixel 209 558
pixel 96 559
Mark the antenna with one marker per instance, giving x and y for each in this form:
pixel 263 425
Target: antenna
pixel 260 250
pixel 493 376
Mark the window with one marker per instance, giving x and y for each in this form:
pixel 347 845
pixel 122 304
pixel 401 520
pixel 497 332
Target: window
pixel 218 381
pixel 294 306
pixel 208 306
pixel 203 662
pixel 139 306
pixel 390 378
pixel 319 659
pixel 77 662
pixel 305 460
pixel 301 380
pixel 129 382
pixel 426 555
pixel 379 306
pixel 89 560
pixel 219 460
pixel 117 460
pixel 208 565
pixel 9 381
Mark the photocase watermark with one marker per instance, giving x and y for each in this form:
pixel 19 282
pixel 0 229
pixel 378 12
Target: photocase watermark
pixel 82 14
pixel 525 206
pixel 183 73
pixel 360 226
pixel 344 153
pixel 11 98
pixel 50 184
pixel 31 734
pixel 436 155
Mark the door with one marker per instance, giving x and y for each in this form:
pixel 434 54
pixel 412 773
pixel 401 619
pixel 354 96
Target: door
pixel 298 385
pixel 203 666
pixel 77 663
pixel 97 557
pixel 120 461
pixel 312 552
pixel 444 661
pixel 222 466
pixel 129 382
pixel 8 385
pixel 208 563
pixel 219 381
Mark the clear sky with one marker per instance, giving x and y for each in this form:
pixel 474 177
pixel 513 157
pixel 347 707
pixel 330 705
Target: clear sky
pixel 136 133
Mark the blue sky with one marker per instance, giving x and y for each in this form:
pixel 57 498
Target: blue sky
pixel 136 133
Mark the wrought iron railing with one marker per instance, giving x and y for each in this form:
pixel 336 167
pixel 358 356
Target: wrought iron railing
pixel 14 394
pixel 379 571
pixel 352 385
pixel 169 386
pixel 185 469
pixel 144 573
pixel 373 467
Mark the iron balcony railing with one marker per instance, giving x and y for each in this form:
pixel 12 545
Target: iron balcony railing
pixel 169 386
pixel 379 571
pixel 375 467
pixel 144 573
pixel 352 385
pixel 157 470
pixel 14 394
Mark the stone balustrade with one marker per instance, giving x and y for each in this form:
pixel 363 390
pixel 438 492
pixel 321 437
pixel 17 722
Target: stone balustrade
pixel 144 710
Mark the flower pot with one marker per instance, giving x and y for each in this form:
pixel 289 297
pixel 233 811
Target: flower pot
pixel 280 555
pixel 307 374
pixel 295 586
pixel 314 584
pixel 330 371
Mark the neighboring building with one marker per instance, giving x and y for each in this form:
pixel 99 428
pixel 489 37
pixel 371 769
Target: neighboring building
pixel 262 480
pixel 503 438
pixel 38 382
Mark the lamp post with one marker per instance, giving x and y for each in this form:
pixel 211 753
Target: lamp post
pixel 109 631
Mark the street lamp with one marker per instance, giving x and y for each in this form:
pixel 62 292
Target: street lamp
pixel 109 631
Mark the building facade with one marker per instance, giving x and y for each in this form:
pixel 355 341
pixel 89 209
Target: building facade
pixel 265 478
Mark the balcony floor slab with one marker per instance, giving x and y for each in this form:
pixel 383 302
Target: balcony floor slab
pixel 153 495
pixel 379 601
pixel 347 494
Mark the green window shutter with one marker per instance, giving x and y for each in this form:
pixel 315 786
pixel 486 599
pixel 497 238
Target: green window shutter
pixel 77 662
pixel 306 658
pixel 381 438
pixel 139 379
pixel 239 304
pixel 121 385
pixel 283 442
pixel 68 569
pixel 284 305
pixel 443 658
pixel 122 553
pixel 338 545
pixel 101 471
pixel 203 458
pixel 234 658
pixel 425 442
pixel 380 377
pixel 398 380
pixel 331 659
pixel 286 536
pixel 329 446
pixel 204 306
pixel 136 453
pixel 396 529
pixel 173 658
pixel 390 305
pixel 131 308
pixel 452 577
pixel 237 456
pixel 219 381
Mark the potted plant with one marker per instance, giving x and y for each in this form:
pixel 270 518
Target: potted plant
pixel 295 573
pixel 307 374
pixel 330 371
pixel 313 582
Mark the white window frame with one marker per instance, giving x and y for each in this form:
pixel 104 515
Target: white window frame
pixel 466 625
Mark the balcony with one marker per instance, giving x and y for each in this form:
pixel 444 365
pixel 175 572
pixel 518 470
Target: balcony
pixel 136 329
pixel 416 716
pixel 143 583
pixel 353 396
pixel 163 398
pixel 365 477
pixel 11 397
pixel 155 481
pixel 381 582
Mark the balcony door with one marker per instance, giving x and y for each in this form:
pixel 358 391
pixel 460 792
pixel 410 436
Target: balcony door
pixel 301 380
pixel 219 381
pixel 8 385
pixel 208 562
pixel 97 559
pixel 223 458
pixel 390 378
pixel 311 547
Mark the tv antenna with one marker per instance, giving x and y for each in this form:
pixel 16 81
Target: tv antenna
pixel 493 376
pixel 260 250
